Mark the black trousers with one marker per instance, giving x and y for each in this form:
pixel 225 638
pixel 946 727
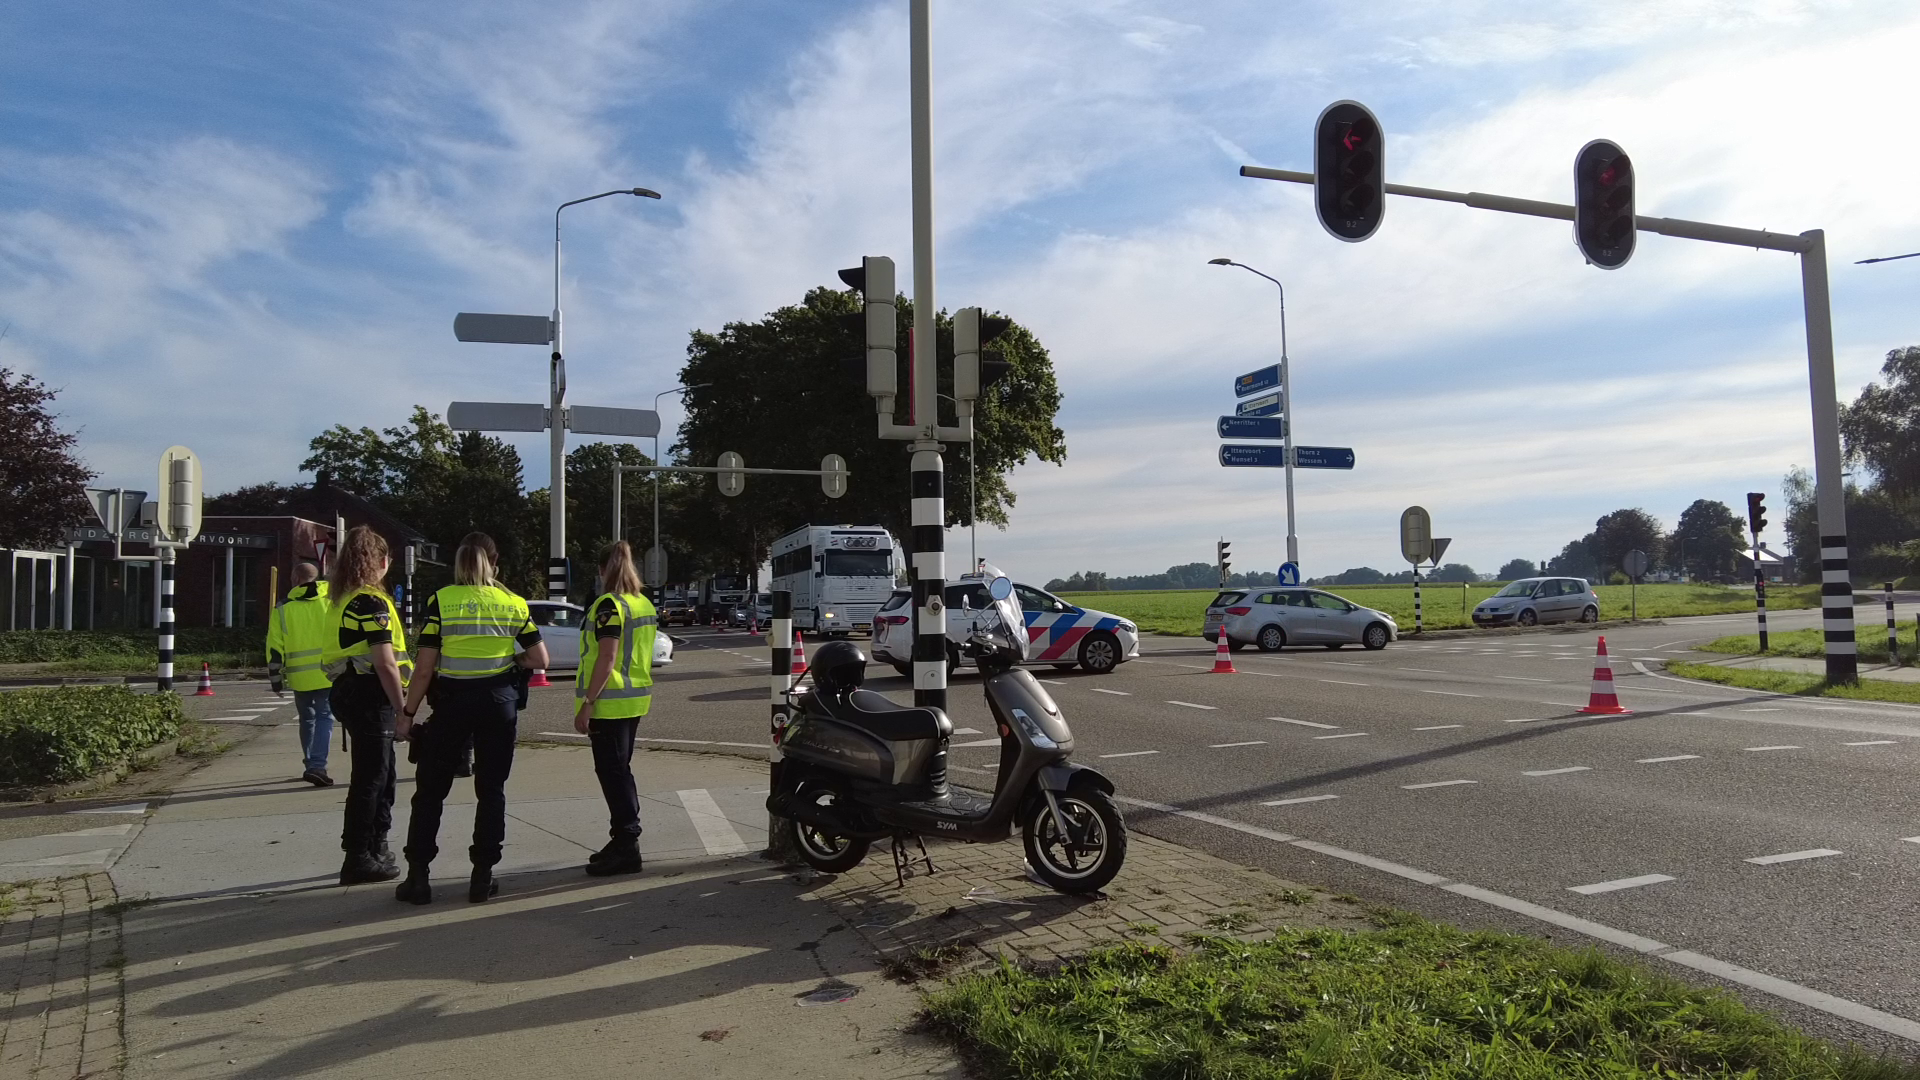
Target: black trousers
pixel 486 718
pixel 613 765
pixel 361 707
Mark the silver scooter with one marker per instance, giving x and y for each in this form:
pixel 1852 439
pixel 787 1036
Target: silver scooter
pixel 859 768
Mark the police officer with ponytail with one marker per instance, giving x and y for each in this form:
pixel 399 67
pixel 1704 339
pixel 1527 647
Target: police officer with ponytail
pixel 475 641
pixel 364 656
pixel 612 691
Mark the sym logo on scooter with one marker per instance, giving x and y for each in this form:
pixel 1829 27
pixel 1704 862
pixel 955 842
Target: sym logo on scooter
pixel 946 825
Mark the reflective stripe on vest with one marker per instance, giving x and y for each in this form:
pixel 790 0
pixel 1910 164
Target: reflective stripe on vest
pixel 358 658
pixel 477 626
pixel 619 686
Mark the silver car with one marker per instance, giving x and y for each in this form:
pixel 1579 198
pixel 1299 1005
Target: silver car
pixel 1273 619
pixel 560 628
pixel 1539 600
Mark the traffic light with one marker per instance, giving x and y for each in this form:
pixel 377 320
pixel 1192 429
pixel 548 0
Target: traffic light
pixel 873 280
pixel 1603 221
pixel 1349 171
pixel 1226 563
pixel 974 371
pixel 1757 511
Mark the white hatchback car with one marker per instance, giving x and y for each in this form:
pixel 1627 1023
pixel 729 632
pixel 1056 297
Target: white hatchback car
pixel 1276 618
pixel 1058 633
pixel 560 628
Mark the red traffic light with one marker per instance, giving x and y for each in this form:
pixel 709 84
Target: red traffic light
pixel 1603 204
pixel 1349 171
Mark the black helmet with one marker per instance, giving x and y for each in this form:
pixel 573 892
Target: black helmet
pixel 838 666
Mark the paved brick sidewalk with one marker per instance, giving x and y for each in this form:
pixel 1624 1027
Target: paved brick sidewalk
pixel 60 981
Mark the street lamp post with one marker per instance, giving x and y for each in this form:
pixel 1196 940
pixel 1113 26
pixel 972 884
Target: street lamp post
pixel 1286 401
pixel 660 570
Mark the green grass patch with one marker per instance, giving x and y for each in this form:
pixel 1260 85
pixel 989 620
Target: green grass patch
pixel 1793 682
pixel 1414 999
pixel 57 735
pixel 186 666
pixel 50 646
pixel 1181 612
pixel 1870 639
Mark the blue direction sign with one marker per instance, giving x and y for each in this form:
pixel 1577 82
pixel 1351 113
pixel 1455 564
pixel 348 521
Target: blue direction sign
pixel 1252 427
pixel 1260 406
pixel 1289 573
pixel 1323 457
pixel 1239 456
pixel 1255 381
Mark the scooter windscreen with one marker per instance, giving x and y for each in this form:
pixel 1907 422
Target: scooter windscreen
pixel 1003 621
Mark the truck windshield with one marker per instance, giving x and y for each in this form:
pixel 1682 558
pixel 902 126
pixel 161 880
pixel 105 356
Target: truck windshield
pixel 728 583
pixel 857 564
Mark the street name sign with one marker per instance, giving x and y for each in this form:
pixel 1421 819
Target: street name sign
pixel 496 416
pixel 602 420
pixel 1255 381
pixel 1323 457
pixel 1237 456
pixel 1252 427
pixel 1260 406
pixel 1416 534
pixel 503 329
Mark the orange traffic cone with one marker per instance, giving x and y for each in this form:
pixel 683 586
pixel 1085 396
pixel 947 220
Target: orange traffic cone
pixel 1602 699
pixel 206 681
pixel 1223 658
pixel 799 654
pixel 539 678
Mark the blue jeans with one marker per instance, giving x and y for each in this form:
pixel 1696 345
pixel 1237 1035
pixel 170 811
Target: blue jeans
pixel 316 726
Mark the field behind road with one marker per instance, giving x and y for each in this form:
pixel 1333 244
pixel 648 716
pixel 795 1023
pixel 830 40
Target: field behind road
pixel 1181 611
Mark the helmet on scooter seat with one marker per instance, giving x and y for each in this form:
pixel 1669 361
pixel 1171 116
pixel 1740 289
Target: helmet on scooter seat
pixel 838 666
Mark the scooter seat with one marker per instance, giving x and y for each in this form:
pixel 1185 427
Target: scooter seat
pixel 895 723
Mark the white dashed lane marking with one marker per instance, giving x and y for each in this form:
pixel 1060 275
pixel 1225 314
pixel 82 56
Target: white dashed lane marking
pixel 1436 783
pixel 1305 723
pixel 1673 757
pixel 1344 682
pixel 1345 735
pixel 1622 883
pixel 1115 693
pixel 1440 727
pixel 1557 772
pixel 1792 856
pixel 1191 705
pixel 1759 749
pixel 1227 745
pixel 1131 753
pixel 1302 799
pixel 1449 693
pixel 1872 742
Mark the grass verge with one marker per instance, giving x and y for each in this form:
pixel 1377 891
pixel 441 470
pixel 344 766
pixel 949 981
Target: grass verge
pixel 1870 637
pixel 185 665
pixel 1792 682
pixel 52 736
pixel 1413 999
pixel 50 646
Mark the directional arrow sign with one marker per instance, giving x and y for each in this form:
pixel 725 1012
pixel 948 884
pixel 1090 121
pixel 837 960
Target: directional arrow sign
pixel 1252 427
pixel 1255 381
pixel 1260 406
pixel 1323 457
pixel 1238 456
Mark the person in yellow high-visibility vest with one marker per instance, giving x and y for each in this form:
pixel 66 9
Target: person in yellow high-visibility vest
pixel 364 657
pixel 296 636
pixel 612 691
pixel 475 641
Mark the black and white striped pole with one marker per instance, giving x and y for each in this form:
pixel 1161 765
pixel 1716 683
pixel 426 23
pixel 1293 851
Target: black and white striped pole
pixel 780 639
pixel 1757 521
pixel 164 620
pixel 929 533
pixel 176 523
pixel 1893 629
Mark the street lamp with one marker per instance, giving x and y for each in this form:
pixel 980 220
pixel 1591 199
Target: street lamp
pixel 1889 258
pixel 1286 401
pixel 658 569
pixel 557 429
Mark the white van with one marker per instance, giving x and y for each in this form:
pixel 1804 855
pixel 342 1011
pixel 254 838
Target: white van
pixel 839 575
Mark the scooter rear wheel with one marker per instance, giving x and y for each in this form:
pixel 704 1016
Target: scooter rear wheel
pixel 1087 859
pixel 826 852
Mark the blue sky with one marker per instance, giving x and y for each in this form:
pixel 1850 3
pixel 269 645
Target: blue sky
pixel 231 225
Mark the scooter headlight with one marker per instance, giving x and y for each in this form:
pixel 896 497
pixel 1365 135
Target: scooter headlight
pixel 1034 732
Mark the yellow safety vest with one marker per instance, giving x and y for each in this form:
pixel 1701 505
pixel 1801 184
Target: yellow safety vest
pixel 477 625
pixel 298 632
pixel 337 659
pixel 629 690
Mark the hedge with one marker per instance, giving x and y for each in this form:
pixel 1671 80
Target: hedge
pixel 43 646
pixel 70 733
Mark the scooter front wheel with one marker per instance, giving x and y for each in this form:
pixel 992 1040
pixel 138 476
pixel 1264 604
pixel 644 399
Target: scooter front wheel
pixel 1089 855
pixel 829 853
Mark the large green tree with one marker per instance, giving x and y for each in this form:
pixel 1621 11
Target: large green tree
pixel 1707 539
pixel 41 482
pixel 783 393
pixel 1882 426
pixel 1622 531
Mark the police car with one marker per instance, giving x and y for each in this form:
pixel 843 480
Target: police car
pixel 1058 633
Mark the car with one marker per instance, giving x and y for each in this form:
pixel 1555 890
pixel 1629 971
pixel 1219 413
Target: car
pixel 559 625
pixel 1272 619
pixel 1058 633
pixel 676 611
pixel 763 606
pixel 1530 601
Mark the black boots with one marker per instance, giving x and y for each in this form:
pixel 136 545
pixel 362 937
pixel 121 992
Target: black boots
pixel 415 890
pixel 482 885
pixel 620 856
pixel 376 863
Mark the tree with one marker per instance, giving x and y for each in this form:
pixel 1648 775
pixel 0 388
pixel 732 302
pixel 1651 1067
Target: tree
pixel 1515 569
pixel 1575 560
pixel 1622 531
pixel 1882 426
pixel 41 482
pixel 1709 537
pixel 1454 571
pixel 590 473
pixel 781 395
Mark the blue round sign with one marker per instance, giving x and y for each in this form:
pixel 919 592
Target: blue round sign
pixel 1289 573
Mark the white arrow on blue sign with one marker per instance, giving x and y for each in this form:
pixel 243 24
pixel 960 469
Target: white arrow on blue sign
pixel 1252 427
pixel 1238 456
pixel 1260 406
pixel 1289 573
pixel 1255 381
pixel 1323 457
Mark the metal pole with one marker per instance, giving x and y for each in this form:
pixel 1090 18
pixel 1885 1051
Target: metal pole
pixel 1893 630
pixel 973 511
pixel 1286 421
pixel 66 619
pixel 780 641
pixel 163 620
pixel 557 443
pixel 1759 592
pixel 1418 626
pixel 619 475
pixel 1836 586
pixel 927 478
pixel 227 613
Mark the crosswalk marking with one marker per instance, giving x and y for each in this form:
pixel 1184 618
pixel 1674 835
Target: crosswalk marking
pixel 717 834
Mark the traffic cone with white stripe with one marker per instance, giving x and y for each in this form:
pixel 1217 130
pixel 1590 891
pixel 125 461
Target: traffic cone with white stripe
pixel 539 678
pixel 1602 698
pixel 206 681
pixel 799 655
pixel 1223 658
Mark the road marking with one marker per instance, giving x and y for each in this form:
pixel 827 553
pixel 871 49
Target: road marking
pixel 1306 723
pixel 1449 693
pixel 1051 682
pixel 1344 682
pixel 1524 720
pixel 1439 727
pixel 1563 705
pixel 1557 772
pixel 1225 745
pixel 1520 678
pixel 1793 856
pixel 1911 839
pixel 1115 693
pixel 685 742
pixel 1615 886
pixel 1425 670
pixel 1871 742
pixel 1350 663
pixel 1655 659
pixel 1191 705
pixel 1131 753
pixel 966 731
pixel 1758 749
pixel 1639 688
pixel 1345 735
pixel 976 742
pixel 717 834
pixel 1759 710
pixel 1302 799
pixel 577 735
pixel 1658 760
pixel 1436 783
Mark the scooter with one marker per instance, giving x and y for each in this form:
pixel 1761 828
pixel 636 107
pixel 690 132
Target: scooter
pixel 858 768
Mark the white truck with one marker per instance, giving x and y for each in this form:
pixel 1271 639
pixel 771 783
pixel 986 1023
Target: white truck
pixel 839 575
pixel 716 596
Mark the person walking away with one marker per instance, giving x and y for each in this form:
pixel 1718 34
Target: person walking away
pixel 364 657
pixel 612 691
pixel 465 665
pixel 296 636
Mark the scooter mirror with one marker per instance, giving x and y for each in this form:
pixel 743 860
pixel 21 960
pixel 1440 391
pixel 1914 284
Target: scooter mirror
pixel 1000 589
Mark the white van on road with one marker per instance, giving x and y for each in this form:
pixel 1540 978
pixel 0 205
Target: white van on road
pixel 839 575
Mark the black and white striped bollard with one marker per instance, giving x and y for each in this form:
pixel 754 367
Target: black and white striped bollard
pixel 928 520
pixel 1416 600
pixel 163 620
pixel 1760 593
pixel 780 646
pixel 1893 630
